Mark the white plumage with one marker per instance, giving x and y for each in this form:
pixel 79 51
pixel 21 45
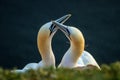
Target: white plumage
pixel 87 59
pixel 44 39
pixel 75 56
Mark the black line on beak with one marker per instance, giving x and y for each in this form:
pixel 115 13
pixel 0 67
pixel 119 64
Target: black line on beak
pixel 52 28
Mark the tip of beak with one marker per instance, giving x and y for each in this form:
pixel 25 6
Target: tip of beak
pixel 69 15
pixel 63 18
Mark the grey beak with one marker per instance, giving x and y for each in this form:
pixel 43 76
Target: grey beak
pixel 63 28
pixel 60 20
pixel 63 19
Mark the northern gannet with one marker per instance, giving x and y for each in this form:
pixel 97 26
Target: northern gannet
pixel 44 39
pixel 75 55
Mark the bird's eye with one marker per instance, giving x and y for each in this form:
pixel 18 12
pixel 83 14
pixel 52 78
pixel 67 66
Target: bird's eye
pixel 52 29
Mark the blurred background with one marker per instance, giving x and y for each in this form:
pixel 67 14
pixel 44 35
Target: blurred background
pixel 20 21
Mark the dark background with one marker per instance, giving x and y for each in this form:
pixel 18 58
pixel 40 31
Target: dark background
pixel 20 20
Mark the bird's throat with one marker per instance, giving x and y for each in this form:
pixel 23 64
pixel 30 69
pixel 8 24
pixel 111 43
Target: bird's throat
pixel 46 52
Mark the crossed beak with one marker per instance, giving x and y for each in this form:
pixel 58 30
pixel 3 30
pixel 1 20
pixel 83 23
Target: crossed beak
pixel 63 28
pixel 60 20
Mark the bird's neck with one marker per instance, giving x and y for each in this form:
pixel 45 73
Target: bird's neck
pixel 71 57
pixel 46 52
pixel 76 51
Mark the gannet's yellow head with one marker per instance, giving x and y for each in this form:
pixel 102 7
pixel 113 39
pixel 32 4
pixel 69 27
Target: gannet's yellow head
pixel 46 32
pixel 73 34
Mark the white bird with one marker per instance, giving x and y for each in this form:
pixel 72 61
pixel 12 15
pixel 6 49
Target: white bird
pixel 75 55
pixel 44 39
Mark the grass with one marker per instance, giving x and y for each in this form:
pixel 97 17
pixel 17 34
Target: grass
pixel 108 72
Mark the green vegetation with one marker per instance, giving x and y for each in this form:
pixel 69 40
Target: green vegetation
pixel 108 72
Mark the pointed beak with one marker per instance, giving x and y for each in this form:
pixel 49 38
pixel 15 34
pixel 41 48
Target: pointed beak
pixel 60 20
pixel 63 19
pixel 63 28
